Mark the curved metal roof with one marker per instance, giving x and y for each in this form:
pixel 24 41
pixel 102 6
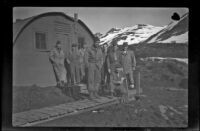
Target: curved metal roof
pixel 20 25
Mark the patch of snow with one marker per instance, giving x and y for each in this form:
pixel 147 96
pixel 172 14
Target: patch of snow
pixel 183 38
pixel 172 24
pixel 184 60
pixel 178 112
pixel 178 39
pixel 160 33
pixel 163 110
pixel 138 35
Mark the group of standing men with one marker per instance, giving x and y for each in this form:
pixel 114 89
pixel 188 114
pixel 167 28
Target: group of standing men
pixel 94 65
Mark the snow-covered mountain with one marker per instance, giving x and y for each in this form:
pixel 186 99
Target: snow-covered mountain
pixel 132 35
pixel 175 32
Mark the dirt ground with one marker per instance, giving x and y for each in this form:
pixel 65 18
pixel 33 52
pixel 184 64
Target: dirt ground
pixel 34 97
pixel 156 107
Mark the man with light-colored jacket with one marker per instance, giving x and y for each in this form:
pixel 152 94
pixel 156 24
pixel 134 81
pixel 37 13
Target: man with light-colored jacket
pixel 128 62
pixel 81 52
pixel 57 58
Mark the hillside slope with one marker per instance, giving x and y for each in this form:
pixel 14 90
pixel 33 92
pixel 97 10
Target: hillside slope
pixel 174 32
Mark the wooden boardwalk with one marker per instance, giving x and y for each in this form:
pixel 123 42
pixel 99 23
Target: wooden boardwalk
pixel 36 116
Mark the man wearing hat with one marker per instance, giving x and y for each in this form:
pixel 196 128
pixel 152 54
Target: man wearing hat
pixel 81 51
pixel 104 67
pixel 128 62
pixel 113 57
pixel 57 58
pixel 74 64
pixel 94 61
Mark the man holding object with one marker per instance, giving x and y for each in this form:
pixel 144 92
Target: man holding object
pixel 128 62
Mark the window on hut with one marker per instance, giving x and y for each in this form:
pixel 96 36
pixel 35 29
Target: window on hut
pixel 81 41
pixel 40 40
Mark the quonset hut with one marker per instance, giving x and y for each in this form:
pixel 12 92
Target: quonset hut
pixel 34 37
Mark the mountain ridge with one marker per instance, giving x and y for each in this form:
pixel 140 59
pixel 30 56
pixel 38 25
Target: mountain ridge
pixel 174 32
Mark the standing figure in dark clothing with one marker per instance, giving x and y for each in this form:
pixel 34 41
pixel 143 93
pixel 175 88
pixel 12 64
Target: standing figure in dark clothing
pixel 94 62
pixel 74 65
pixel 113 59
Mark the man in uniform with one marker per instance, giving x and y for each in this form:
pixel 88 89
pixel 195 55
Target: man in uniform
pixel 81 62
pixel 113 58
pixel 74 64
pixel 128 62
pixel 103 69
pixel 94 62
pixel 57 58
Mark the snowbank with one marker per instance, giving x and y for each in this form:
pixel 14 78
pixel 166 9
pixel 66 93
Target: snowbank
pixel 184 60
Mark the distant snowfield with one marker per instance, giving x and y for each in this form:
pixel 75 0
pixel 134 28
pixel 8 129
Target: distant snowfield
pixel 183 38
pixel 174 32
pixel 184 60
pixel 137 35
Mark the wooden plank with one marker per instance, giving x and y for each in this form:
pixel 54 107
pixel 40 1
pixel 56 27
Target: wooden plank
pixel 28 116
pixel 101 100
pixel 76 105
pixel 67 108
pixel 51 112
pixel 90 103
pixel 39 114
pixel 23 115
pixel 18 121
pixel 85 104
pixel 71 106
pixel 80 105
pixel 62 108
pixel 61 111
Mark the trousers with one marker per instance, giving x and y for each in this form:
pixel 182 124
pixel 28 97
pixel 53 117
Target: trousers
pixel 94 77
pixel 129 76
pixel 75 75
pixel 82 71
pixel 60 72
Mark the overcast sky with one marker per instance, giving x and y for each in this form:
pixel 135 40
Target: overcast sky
pixel 101 19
